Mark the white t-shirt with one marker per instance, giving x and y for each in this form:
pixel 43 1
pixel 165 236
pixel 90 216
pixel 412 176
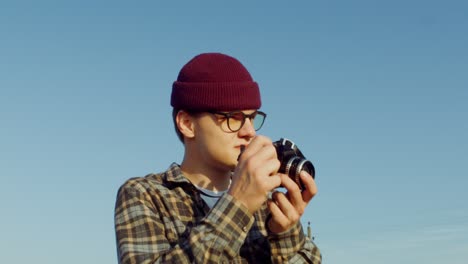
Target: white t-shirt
pixel 210 197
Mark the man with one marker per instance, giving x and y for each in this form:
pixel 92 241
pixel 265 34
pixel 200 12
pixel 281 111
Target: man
pixel 218 205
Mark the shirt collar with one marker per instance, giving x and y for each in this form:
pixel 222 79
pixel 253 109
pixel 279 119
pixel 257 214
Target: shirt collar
pixel 174 174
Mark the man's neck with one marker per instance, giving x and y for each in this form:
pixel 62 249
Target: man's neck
pixel 205 176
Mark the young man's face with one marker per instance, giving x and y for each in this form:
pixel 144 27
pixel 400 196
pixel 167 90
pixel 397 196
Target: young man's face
pixel 215 141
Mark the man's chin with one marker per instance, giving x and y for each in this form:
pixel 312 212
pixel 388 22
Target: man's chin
pixel 233 166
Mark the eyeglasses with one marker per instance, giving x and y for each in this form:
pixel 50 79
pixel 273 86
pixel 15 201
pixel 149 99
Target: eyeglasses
pixel 236 119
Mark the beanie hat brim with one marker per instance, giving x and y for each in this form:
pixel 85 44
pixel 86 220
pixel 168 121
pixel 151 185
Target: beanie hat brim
pixel 227 96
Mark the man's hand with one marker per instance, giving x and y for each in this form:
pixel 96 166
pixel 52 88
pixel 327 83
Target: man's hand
pixel 287 208
pixel 256 174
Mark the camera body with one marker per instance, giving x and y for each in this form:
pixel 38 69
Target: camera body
pixel 292 161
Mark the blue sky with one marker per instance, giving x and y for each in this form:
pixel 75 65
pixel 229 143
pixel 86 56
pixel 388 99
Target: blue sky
pixel 374 93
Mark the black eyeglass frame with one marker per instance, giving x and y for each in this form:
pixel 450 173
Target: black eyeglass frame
pixel 229 115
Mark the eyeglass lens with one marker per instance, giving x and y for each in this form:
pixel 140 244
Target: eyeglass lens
pixel 237 119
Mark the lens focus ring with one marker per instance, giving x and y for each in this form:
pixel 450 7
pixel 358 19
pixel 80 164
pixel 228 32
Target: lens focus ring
pixel 290 164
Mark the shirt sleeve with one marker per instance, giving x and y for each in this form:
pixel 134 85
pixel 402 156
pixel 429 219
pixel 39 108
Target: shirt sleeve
pixel 293 247
pixel 141 238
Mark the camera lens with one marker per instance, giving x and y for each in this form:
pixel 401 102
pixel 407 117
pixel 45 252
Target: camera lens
pixel 293 161
pixel 294 167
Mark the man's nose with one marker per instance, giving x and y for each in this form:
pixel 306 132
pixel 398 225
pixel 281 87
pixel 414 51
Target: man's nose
pixel 248 128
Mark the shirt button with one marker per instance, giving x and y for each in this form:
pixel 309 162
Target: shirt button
pixel 244 229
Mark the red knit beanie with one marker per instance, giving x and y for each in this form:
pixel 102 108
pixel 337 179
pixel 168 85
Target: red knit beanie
pixel 215 81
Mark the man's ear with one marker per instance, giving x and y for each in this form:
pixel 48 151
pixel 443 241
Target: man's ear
pixel 185 124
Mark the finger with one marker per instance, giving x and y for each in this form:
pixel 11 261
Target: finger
pixel 277 214
pixel 265 162
pixel 274 181
pixel 310 187
pixel 263 159
pixel 266 166
pixel 263 180
pixel 265 152
pixel 262 170
pixel 285 206
pixel 294 192
pixel 256 144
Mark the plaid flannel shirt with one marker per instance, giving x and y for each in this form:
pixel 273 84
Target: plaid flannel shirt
pixel 161 218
